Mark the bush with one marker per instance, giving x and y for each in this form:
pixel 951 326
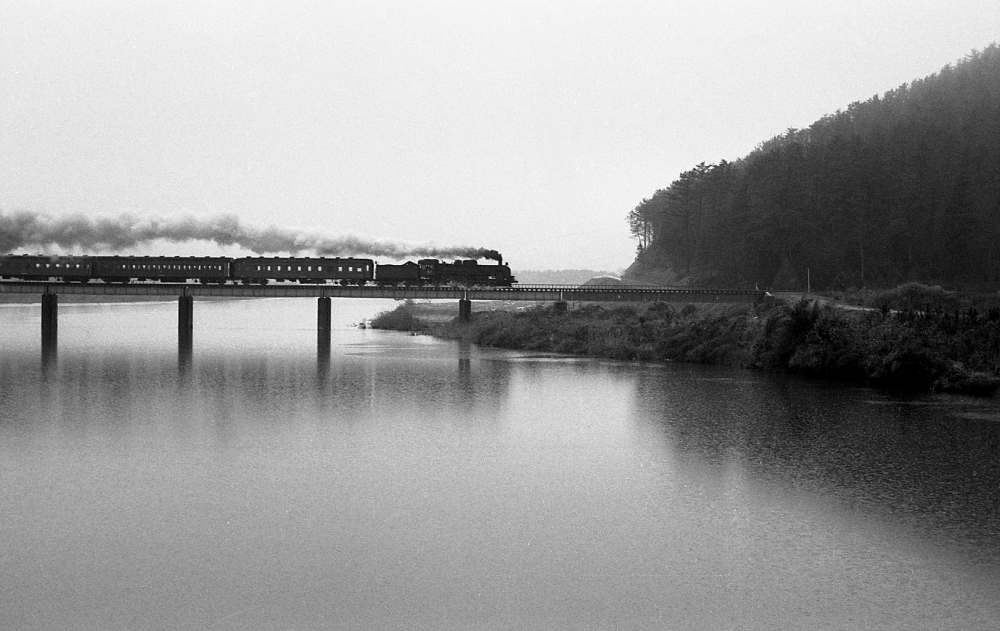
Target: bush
pixel 896 356
pixel 832 348
pixel 915 297
pixel 785 329
pixel 399 319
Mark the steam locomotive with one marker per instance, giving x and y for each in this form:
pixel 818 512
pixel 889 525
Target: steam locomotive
pixel 252 270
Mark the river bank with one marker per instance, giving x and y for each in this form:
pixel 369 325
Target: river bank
pixel 905 349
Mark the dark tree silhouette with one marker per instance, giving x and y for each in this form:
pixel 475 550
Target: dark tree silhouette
pixel 902 187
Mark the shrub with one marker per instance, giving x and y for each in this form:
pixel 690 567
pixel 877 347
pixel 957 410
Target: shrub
pixel 399 319
pixel 914 296
pixel 896 356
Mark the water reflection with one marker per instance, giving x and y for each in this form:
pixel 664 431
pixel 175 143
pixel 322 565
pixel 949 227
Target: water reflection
pixel 402 482
pixel 323 348
pixel 908 461
pixel 50 349
pixel 185 350
pixel 260 389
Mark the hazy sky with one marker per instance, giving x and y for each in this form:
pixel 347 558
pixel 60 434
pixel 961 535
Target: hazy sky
pixel 529 127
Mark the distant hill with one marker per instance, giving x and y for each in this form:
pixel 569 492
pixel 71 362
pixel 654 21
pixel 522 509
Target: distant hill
pixel 558 277
pixel 902 187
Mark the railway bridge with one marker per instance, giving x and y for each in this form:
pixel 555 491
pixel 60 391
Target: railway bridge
pixel 185 293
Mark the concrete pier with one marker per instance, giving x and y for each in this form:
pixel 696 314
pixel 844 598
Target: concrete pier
pixel 464 310
pixel 324 328
pixel 50 329
pixel 50 314
pixel 185 318
pixel 324 313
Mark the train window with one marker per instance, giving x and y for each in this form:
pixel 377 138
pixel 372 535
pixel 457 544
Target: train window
pixel 340 268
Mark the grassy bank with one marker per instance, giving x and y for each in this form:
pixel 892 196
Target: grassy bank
pixel 944 350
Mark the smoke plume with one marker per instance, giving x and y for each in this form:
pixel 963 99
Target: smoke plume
pixel 122 232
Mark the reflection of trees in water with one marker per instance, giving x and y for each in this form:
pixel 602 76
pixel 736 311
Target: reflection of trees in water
pixel 909 458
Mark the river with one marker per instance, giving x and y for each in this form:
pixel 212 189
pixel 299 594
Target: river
pixel 402 482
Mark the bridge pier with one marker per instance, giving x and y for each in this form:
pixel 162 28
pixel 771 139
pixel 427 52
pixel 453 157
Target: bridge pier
pixel 185 317
pixel 50 314
pixel 324 313
pixel 464 310
pixel 50 329
pixel 324 328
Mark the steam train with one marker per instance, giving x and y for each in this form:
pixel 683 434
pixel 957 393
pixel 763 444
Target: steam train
pixel 252 270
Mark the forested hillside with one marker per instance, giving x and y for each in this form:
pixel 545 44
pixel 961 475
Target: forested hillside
pixel 902 187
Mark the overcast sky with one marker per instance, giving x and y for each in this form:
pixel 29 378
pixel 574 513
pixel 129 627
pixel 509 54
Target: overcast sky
pixel 528 127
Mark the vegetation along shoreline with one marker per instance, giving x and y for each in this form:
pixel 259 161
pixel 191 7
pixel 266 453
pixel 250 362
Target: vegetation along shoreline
pixel 912 338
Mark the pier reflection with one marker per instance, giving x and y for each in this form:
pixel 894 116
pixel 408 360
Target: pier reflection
pixel 50 348
pixel 323 350
pixel 185 351
pixel 243 391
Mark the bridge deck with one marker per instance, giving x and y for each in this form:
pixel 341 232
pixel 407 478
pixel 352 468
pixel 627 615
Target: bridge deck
pixel 542 293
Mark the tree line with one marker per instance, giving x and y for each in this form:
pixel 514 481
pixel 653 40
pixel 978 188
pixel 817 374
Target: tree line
pixel 902 187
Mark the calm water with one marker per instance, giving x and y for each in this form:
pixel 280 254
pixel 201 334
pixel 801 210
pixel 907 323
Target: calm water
pixel 405 483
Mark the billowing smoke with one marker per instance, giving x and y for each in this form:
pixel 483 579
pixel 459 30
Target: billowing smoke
pixel 121 233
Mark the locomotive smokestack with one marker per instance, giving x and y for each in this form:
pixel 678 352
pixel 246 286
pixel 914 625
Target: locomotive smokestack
pixel 494 256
